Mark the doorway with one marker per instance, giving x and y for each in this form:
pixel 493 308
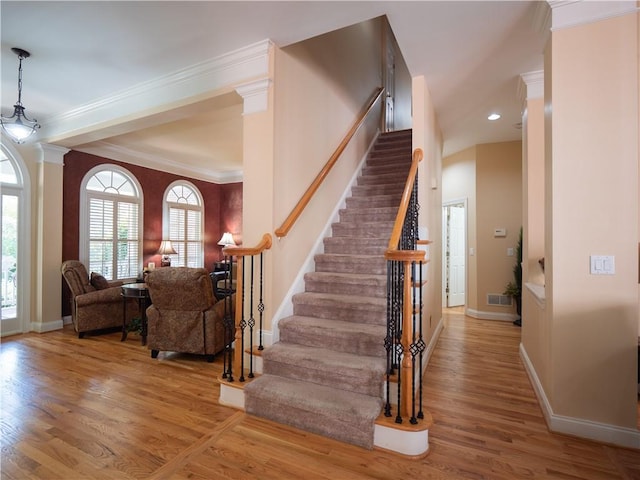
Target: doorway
pixel 454 240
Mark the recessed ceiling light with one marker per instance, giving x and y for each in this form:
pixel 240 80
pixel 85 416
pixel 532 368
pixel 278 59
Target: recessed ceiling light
pixel 493 116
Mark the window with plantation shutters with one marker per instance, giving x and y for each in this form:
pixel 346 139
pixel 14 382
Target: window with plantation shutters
pixel 184 224
pixel 111 221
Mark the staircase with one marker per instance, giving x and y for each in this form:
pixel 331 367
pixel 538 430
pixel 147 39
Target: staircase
pixel 326 373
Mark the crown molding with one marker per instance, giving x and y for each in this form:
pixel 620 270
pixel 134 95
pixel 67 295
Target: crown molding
pixel 153 161
pixel 530 86
pixel 176 89
pixel 572 13
pixel 53 154
pixel 255 95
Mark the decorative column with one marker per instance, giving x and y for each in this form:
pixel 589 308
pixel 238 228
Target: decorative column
pixel 48 239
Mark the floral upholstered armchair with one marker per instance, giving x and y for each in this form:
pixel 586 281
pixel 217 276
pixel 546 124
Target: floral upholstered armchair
pixel 184 315
pixel 95 302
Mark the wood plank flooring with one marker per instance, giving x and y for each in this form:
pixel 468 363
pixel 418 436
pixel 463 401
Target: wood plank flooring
pixel 97 408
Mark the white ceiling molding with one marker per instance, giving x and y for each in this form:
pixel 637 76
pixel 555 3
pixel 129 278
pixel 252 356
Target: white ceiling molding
pixel 167 92
pixel 571 13
pixel 533 83
pixel 255 95
pixel 135 157
pixel 52 153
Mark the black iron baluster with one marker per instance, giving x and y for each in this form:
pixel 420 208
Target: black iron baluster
pixel 252 320
pixel 229 331
pixel 261 302
pixel 243 324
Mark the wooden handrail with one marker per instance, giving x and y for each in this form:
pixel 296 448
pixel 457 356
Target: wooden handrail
pixel 283 230
pixel 235 251
pixel 404 205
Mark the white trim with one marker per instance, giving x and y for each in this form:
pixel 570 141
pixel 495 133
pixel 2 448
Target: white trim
pixel 502 317
pixel 567 14
pixel 530 86
pixel 52 153
pixel 23 190
pixel 231 396
pixel 181 87
pixel 255 95
pixel 49 326
pixel 538 292
pixel 133 157
pixel 67 320
pixel 286 306
pixel 600 432
pixel 412 443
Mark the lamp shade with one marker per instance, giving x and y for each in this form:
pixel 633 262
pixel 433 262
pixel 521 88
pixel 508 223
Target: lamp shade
pixel 226 240
pixel 166 248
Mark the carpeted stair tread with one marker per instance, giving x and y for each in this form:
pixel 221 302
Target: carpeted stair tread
pixel 352 337
pixel 397 177
pixel 341 370
pixel 345 416
pixel 356 245
pixel 358 215
pixel 368 190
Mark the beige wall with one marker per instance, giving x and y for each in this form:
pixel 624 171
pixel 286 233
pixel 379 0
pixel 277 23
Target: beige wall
pixel 427 136
pixel 499 205
pixel 593 177
pixel 489 177
pixel 459 182
pixel 320 86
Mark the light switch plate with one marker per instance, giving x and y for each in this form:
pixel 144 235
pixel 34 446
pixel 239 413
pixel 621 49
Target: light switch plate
pixel 603 264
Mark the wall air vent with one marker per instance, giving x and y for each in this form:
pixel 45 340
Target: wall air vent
pixel 499 300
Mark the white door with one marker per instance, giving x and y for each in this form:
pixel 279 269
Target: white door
pixel 454 262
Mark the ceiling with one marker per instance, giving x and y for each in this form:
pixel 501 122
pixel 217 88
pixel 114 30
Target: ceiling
pixel 471 54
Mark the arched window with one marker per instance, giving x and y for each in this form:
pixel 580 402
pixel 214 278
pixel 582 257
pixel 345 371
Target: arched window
pixel 16 242
pixel 184 223
pixel 111 222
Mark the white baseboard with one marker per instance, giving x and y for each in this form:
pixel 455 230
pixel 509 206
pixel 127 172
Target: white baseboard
pixel 503 317
pixel 46 326
pixel 600 432
pixel 66 320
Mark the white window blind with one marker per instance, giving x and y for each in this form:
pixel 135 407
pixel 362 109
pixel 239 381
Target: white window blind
pixel 185 225
pixel 113 225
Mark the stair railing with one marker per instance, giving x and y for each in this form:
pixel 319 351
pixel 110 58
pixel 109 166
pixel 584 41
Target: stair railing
pixel 283 230
pixel 404 343
pixel 245 303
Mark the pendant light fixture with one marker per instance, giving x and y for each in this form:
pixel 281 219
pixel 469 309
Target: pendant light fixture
pixel 18 126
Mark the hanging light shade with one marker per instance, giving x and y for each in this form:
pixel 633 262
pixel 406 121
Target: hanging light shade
pixel 18 126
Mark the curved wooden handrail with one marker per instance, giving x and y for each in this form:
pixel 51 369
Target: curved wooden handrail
pixel 283 230
pixel 265 244
pixel 404 205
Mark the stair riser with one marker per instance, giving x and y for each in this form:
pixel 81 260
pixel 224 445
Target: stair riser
pixel 364 215
pixel 369 190
pixel 378 291
pixel 346 264
pixel 380 201
pixel 346 313
pixel 366 345
pixel 395 179
pixel 354 249
pixel 385 169
pixel 350 381
pixel 400 159
pixel 289 414
pixel 346 229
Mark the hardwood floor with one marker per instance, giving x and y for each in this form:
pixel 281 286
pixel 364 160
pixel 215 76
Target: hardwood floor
pixel 97 408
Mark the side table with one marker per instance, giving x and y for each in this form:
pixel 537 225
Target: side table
pixel 140 292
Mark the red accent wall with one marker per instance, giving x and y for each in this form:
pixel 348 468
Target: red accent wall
pixel 222 209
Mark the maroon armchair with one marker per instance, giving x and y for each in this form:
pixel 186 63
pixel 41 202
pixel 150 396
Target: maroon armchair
pixel 184 315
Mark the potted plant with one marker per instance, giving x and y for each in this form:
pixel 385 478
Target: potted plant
pixel 514 289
